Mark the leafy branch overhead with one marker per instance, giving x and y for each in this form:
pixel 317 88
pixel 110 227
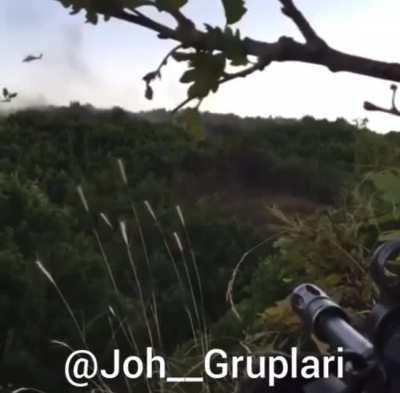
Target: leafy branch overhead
pixel 215 55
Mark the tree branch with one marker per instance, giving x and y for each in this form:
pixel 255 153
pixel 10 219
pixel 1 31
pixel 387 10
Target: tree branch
pixel 391 111
pixel 291 11
pixel 207 52
pixel 394 92
pixel 242 74
pixel 284 50
pixel 181 105
pixel 375 108
pixel 142 20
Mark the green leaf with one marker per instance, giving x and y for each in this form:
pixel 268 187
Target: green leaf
pixel 234 10
pixel 188 76
pixel 205 73
pixel 171 4
pixel 132 4
pixel 230 43
pixel 182 56
pixel 105 7
pixel 91 17
pixel 149 92
pixel 149 78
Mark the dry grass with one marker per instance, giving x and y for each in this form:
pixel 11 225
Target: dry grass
pixel 194 308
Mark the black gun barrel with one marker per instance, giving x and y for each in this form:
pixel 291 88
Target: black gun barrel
pixel 328 321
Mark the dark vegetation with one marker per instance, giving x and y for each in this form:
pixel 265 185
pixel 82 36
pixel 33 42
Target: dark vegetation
pixel 223 183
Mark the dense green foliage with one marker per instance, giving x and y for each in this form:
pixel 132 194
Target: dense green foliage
pixel 46 154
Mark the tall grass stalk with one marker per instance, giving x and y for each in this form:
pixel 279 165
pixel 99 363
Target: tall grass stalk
pixel 197 274
pixel 192 295
pixel 98 239
pixel 154 307
pixel 136 280
pixel 50 278
pixel 114 340
pixel 128 334
pixel 229 295
pixel 175 267
pixel 21 390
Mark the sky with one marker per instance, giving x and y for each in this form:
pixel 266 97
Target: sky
pixel 104 64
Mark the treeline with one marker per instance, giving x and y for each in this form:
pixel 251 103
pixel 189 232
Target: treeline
pixel 45 154
pixel 277 154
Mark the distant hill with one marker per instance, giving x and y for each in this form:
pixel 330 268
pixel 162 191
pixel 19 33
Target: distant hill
pixel 222 182
pixel 242 162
